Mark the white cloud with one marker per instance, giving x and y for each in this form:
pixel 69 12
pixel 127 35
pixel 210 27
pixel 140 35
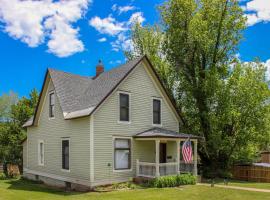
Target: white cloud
pixel 33 21
pixel 114 7
pixel 267 65
pixel 122 43
pixel 102 39
pixel 136 17
pixel 115 62
pixel 122 9
pixel 116 29
pixel 257 11
pixel 107 25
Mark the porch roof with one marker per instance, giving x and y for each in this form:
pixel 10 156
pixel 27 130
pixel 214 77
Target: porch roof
pixel 163 133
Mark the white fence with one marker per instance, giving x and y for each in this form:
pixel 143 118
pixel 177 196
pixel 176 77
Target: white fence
pixel 168 168
pixel 146 169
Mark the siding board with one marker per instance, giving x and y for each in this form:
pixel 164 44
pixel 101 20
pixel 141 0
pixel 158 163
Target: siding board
pixel 51 131
pixel 106 125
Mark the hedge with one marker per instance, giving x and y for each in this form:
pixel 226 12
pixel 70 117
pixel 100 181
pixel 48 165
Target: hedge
pixel 173 181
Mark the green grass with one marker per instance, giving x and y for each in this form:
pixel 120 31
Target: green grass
pixel 25 190
pixel 245 184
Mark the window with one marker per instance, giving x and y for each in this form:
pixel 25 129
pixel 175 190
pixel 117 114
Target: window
pixel 65 154
pixel 41 153
pixel 122 155
pixel 124 107
pixel 156 111
pixel 51 104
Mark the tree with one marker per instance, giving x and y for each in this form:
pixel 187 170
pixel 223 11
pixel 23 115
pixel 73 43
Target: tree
pixel 11 131
pixel 6 101
pixel 220 99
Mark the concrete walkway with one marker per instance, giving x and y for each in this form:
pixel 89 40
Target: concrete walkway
pixel 236 187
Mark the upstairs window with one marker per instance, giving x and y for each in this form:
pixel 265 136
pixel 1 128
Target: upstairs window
pixel 156 111
pixel 65 154
pixel 41 153
pixel 51 104
pixel 124 107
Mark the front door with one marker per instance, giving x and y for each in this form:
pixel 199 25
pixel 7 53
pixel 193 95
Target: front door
pixel 162 152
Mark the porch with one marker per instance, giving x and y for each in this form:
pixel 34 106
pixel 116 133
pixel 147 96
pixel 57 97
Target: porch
pixel 163 153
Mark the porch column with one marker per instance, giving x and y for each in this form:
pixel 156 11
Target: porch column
pixel 195 157
pixel 178 156
pixel 157 157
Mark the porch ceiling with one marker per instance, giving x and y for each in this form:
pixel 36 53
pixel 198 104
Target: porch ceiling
pixel 163 133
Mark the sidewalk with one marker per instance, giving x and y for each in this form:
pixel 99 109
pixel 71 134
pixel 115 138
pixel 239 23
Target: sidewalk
pixel 236 187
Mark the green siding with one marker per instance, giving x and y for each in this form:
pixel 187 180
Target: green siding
pixel 51 131
pixel 106 125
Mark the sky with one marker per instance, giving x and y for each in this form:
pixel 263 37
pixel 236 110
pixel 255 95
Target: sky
pixel 72 35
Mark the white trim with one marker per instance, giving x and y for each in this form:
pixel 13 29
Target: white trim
pixel 129 108
pixel 152 114
pixel 41 163
pixel 131 156
pixel 69 146
pixel 44 100
pixel 78 113
pixel 49 95
pixel 57 177
pixel 92 160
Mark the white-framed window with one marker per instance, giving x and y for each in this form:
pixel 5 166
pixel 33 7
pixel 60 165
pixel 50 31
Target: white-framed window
pixel 65 154
pixel 51 104
pixel 122 153
pixel 124 107
pixel 41 153
pixel 156 109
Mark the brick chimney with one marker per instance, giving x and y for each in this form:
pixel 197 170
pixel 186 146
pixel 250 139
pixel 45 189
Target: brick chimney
pixel 99 68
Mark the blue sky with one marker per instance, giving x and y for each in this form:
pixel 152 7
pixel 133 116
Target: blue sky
pixel 73 35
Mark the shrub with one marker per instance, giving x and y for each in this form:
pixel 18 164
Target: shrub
pixel 173 181
pixel 2 176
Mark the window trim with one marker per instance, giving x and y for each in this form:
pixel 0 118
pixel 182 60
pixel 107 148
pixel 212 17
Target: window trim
pixel 130 157
pixel 152 109
pixel 50 93
pixel 119 110
pixel 65 139
pixel 39 158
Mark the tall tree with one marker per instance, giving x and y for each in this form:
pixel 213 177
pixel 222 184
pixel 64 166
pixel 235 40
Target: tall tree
pixel 11 131
pixel 220 98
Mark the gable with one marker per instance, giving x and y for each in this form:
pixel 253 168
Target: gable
pixel 144 76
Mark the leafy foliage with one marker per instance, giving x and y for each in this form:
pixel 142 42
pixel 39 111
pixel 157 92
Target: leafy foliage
pixel 173 181
pixel 219 98
pixel 11 131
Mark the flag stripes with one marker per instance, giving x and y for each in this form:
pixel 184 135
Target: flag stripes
pixel 187 151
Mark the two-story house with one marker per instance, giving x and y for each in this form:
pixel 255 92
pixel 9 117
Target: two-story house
pixel 117 125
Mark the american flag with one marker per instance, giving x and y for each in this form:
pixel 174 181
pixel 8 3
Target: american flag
pixel 187 151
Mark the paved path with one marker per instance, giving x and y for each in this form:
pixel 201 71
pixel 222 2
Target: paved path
pixel 236 187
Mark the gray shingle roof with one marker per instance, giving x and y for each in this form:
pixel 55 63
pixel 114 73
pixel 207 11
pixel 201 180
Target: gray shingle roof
pixel 163 133
pixel 80 95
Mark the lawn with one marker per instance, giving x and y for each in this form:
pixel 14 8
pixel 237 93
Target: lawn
pixel 24 190
pixel 244 184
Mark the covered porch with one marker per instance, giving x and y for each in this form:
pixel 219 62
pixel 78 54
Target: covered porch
pixel 162 153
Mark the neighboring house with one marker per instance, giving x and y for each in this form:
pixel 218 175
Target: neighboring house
pixel 89 131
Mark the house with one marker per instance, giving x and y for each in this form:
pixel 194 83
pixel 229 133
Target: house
pixel 112 127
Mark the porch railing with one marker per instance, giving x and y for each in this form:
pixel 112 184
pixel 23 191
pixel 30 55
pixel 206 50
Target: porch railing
pixel 168 168
pixel 186 167
pixel 146 169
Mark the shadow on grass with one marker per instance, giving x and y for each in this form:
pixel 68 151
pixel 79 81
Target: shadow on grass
pixel 32 186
